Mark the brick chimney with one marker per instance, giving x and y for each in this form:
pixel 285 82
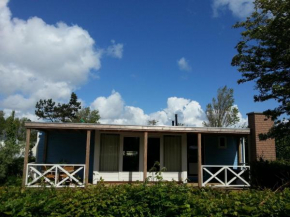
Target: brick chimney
pixel 259 123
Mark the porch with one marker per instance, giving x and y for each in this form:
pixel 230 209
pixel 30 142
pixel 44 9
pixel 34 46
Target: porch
pixel 74 155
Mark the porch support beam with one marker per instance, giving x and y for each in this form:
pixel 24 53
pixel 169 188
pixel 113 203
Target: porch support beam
pixel 145 156
pixel 199 160
pixel 26 156
pixel 87 157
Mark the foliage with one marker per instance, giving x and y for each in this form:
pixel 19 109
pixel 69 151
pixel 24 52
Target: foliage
pixel 2 123
pixel 152 122
pixel 85 115
pixel 165 199
pixel 283 148
pixel 264 57
pixel 66 112
pixel 14 136
pixel 221 112
pixel 156 173
pixel 10 149
pixel 270 174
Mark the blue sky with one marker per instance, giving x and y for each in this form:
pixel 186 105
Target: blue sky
pixel 132 60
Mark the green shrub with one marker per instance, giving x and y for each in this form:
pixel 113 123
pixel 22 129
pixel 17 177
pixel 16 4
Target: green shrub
pixel 162 199
pixel 270 174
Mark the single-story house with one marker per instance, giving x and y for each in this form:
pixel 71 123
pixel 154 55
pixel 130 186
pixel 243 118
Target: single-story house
pixel 76 154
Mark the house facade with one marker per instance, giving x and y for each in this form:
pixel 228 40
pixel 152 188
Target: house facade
pixel 70 154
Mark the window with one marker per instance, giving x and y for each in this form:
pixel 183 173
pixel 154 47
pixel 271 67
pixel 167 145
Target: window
pixel 109 152
pixel 131 154
pixel 172 153
pixel 153 153
pixel 222 142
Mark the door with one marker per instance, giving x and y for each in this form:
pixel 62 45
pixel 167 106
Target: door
pixel 192 155
pixel 153 153
pixel 131 154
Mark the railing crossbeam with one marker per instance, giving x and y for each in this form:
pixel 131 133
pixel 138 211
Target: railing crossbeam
pixel 53 181
pixel 226 182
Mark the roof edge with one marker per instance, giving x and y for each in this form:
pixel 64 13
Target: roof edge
pixel 140 128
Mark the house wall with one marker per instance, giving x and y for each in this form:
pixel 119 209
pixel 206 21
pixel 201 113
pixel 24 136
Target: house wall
pixel 220 156
pixel 70 146
pixel 259 124
pixel 66 147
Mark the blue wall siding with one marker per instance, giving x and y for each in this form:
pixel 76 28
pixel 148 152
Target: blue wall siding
pixel 67 147
pixel 218 156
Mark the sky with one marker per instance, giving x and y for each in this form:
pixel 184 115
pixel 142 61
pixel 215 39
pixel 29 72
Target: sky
pixel 132 60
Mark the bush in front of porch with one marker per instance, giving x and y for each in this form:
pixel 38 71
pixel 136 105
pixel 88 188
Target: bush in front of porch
pixel 161 199
pixel 270 174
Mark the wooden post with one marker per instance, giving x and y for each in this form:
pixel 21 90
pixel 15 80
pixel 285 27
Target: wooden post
pixel 45 147
pixel 199 160
pixel 26 157
pixel 87 157
pixel 145 156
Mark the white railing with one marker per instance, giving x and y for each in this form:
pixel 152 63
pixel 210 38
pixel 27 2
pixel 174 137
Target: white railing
pixel 227 176
pixel 55 175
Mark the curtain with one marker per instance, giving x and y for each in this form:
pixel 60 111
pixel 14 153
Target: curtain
pixel 109 153
pixel 172 153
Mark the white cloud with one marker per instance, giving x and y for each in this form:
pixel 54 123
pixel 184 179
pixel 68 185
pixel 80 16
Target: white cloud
pixel 239 8
pixel 243 123
pixel 111 107
pixel 115 50
pixel 38 60
pixel 183 64
pixel 114 111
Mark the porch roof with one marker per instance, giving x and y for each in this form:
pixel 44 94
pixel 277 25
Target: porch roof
pixel 134 128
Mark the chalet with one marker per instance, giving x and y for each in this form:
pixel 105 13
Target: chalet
pixel 78 154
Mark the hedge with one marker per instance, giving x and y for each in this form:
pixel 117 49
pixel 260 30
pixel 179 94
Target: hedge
pixel 270 174
pixel 162 199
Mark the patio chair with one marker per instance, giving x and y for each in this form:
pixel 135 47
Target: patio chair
pixel 69 169
pixel 50 175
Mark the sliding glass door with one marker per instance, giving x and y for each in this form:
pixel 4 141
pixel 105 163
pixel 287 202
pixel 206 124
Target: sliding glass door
pixel 153 153
pixel 131 152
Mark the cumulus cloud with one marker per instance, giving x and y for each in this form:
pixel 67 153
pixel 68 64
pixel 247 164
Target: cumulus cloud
pixel 38 60
pixel 113 110
pixel 243 123
pixel 183 64
pixel 111 107
pixel 115 50
pixel 239 8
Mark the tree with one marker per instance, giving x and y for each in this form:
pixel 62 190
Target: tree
pixel 47 109
pixel 152 122
pixel 283 148
pixel 264 57
pixel 2 123
pixel 221 112
pixel 10 149
pixel 85 115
